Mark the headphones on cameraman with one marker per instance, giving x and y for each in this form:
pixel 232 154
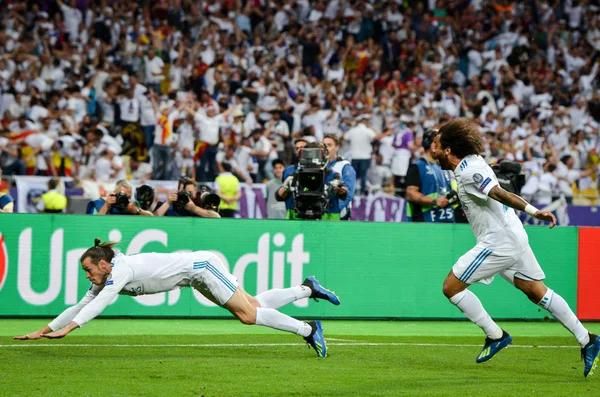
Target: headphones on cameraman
pixel 428 138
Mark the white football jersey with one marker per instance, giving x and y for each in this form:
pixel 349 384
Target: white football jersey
pixel 138 274
pixel 495 225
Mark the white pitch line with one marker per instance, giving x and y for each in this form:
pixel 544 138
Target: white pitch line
pixel 26 345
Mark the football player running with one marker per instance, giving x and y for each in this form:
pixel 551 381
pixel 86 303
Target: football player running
pixel 502 244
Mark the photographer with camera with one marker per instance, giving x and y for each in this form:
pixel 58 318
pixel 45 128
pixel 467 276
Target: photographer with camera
pixel 343 172
pixel 118 203
pixel 427 188
pixel 187 202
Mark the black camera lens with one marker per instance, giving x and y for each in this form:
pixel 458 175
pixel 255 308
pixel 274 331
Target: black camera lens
pixel 145 196
pixel 122 200
pixel 183 197
pixel 210 201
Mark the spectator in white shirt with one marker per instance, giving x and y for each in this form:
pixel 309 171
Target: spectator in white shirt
pixel 567 176
pixel 262 150
pixel 361 138
pixel 380 177
pixel 154 70
pixel 209 126
pixel 130 108
pixel 131 132
pixel 238 126
pixel 475 61
pixel 17 108
pixel 278 132
pixel 546 185
pixel 42 151
pixel 147 120
pixel 186 133
pixel 229 156
pixel 116 163
pixel 140 171
pixel 103 168
pixel 106 102
pixel 164 140
pixel 183 165
pixel 511 109
pixel 72 17
pixel 247 164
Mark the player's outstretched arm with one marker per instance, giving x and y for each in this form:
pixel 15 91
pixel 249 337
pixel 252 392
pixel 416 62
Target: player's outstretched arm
pixel 120 276
pixel 64 318
pixel 518 203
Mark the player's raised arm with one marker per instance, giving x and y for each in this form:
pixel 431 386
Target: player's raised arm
pixel 64 318
pixel 517 202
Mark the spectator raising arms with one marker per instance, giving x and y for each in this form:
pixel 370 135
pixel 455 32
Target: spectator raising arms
pixel 251 77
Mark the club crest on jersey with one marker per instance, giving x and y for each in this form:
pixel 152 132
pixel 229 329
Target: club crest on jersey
pixel 485 183
pixel 478 178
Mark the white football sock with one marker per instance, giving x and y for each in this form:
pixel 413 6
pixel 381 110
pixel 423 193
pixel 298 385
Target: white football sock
pixel 561 311
pixel 471 306
pixel 275 298
pixel 273 319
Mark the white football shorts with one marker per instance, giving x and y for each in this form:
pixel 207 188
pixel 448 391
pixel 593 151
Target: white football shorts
pixel 481 264
pixel 212 279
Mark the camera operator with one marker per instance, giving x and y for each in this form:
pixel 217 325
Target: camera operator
pixel 341 204
pixel 317 188
pixel 427 187
pixel 117 203
pixel 284 192
pixel 181 203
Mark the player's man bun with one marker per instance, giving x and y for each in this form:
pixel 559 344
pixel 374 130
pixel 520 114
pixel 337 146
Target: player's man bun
pixel 100 251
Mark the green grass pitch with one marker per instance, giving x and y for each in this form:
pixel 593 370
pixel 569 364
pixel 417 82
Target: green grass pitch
pixel 226 358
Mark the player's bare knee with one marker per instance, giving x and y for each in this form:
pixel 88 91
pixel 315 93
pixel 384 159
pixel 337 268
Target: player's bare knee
pixel 247 317
pixel 534 290
pixel 447 290
pixel 450 288
pixel 247 320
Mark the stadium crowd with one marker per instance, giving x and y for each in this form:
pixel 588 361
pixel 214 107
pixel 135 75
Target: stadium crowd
pixel 159 90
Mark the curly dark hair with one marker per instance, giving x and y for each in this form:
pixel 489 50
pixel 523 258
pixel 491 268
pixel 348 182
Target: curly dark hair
pixel 462 137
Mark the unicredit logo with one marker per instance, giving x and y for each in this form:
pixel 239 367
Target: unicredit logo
pixel 3 261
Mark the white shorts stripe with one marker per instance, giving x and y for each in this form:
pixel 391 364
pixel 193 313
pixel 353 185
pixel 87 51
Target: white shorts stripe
pixel 475 264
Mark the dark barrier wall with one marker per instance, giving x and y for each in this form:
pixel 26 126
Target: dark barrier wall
pixel 379 270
